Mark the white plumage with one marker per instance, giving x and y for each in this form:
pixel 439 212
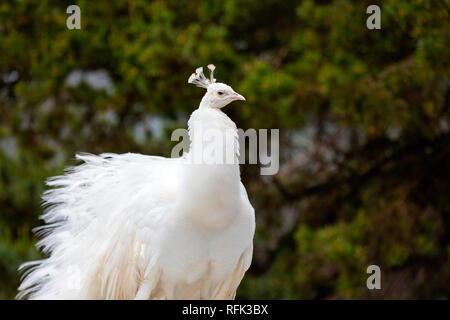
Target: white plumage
pixel 132 226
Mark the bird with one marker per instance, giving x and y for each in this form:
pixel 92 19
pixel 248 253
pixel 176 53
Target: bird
pixel 132 226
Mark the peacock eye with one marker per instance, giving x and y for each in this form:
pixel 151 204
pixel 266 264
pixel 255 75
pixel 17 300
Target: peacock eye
pixel 220 93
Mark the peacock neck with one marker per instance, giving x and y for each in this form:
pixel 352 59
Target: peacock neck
pixel 211 175
pixel 213 138
pixel 204 103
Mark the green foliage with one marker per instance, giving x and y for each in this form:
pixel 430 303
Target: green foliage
pixel 370 187
pixel 14 250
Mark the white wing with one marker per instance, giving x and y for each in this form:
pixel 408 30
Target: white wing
pixel 227 289
pixel 97 242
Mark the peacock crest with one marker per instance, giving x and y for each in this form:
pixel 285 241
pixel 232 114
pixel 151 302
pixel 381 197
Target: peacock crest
pixel 199 79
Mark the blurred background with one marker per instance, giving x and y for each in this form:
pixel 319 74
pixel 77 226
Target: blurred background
pixel 363 116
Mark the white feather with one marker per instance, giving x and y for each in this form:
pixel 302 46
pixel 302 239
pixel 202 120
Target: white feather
pixel 132 226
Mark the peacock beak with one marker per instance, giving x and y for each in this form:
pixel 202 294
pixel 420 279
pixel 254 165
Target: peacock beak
pixel 237 96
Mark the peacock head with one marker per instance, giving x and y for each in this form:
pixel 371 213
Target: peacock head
pixel 218 95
